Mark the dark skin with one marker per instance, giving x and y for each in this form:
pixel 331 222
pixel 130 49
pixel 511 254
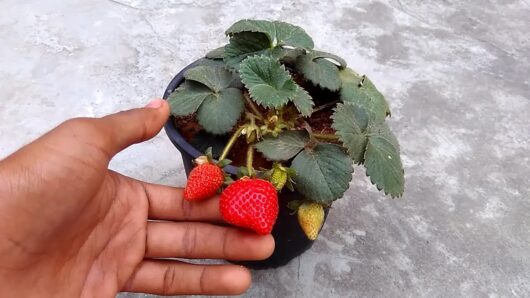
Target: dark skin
pixel 70 227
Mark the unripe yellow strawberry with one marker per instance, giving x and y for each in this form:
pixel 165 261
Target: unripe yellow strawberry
pixel 279 177
pixel 311 218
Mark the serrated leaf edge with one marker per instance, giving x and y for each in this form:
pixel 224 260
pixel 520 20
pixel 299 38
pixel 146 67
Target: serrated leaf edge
pixel 341 139
pixel 282 67
pixel 318 83
pixel 350 174
pixel 367 171
pixel 271 40
pixel 299 88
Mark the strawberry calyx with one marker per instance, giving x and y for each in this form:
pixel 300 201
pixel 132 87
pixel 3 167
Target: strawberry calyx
pixel 203 159
pixel 251 131
pixel 208 158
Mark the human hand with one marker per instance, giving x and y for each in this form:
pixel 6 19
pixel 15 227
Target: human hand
pixel 70 227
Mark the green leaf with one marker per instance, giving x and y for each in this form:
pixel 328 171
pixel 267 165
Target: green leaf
pixel 278 33
pixel 187 98
pixel 360 90
pixel 245 44
pixel 209 90
pixel 288 56
pixel 383 163
pixel 216 53
pixel 350 123
pixel 267 81
pixel 215 78
pixel 220 112
pixel 303 102
pixel 323 173
pixel 283 147
pixel 320 72
pixel 236 80
pixel 259 37
pixel 372 143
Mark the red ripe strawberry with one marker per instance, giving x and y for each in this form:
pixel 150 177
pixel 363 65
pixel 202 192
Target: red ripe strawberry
pixel 250 203
pixel 203 182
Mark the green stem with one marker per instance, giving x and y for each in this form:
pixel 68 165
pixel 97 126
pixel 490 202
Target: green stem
pixel 325 136
pixel 230 143
pixel 325 106
pixel 250 160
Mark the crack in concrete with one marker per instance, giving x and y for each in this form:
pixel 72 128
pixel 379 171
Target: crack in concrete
pixel 405 11
pixel 438 26
pixel 168 44
pixel 124 4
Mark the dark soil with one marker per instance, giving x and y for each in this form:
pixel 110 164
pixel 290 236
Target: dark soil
pixel 320 121
pixel 188 126
pixel 238 156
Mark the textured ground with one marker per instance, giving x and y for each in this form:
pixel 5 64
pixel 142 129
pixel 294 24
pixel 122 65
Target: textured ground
pixel 456 74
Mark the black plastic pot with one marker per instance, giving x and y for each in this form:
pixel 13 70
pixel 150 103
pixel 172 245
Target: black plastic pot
pixel 290 239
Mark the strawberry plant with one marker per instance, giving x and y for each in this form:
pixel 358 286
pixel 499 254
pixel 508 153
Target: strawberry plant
pixel 302 110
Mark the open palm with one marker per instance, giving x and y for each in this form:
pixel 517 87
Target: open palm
pixel 70 227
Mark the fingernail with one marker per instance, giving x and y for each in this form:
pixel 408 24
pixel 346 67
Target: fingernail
pixel 155 104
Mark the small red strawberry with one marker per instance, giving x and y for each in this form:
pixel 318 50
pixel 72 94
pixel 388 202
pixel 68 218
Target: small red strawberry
pixel 203 182
pixel 250 203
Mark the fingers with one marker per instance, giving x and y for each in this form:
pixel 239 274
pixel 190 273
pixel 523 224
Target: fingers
pixel 116 132
pixel 133 126
pixel 202 240
pixel 177 278
pixel 167 203
pixel 113 133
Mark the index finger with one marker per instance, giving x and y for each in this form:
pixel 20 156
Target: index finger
pixel 168 203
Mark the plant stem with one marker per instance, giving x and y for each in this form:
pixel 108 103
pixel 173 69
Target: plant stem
pixel 325 106
pixel 250 160
pixel 254 108
pixel 230 143
pixel 307 127
pixel 325 136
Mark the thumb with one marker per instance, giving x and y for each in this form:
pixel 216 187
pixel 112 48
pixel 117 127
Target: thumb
pixel 133 126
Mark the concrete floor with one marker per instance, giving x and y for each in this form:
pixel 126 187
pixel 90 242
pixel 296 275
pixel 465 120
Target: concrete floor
pixel 456 74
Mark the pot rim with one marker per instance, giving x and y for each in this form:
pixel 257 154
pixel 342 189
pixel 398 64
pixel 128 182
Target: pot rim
pixel 171 129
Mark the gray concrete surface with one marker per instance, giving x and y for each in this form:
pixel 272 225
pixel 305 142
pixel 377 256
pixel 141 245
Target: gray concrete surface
pixel 456 74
